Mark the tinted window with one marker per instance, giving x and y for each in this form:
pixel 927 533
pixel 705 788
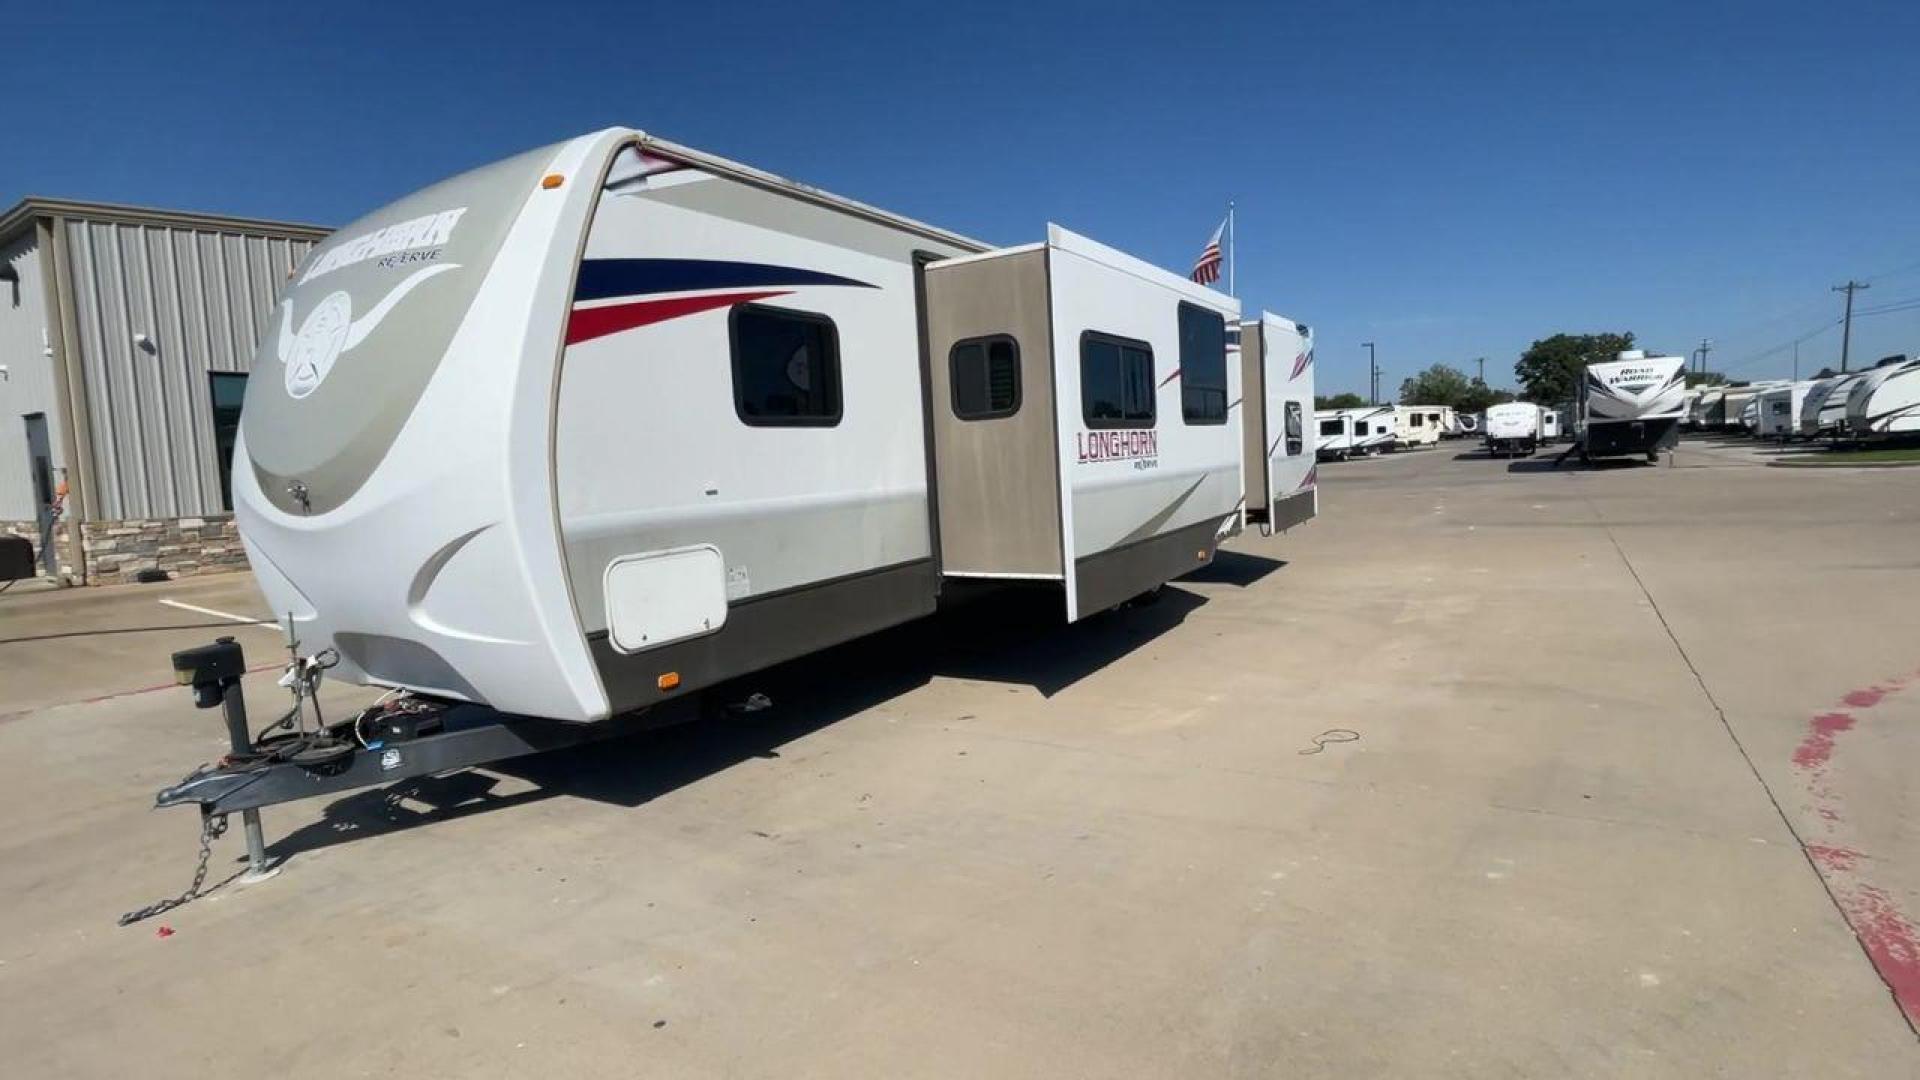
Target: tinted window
pixel 228 391
pixel 1203 366
pixel 985 373
pixel 1360 428
pixel 1116 382
pixel 786 367
pixel 1416 420
pixel 1329 427
pixel 1292 426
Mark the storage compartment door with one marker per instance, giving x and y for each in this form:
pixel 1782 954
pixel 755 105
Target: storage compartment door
pixel 659 597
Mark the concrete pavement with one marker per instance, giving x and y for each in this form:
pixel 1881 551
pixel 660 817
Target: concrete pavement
pixel 1630 796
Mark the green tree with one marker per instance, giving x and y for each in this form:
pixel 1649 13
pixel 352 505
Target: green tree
pixel 1550 369
pixel 1706 378
pixel 1339 401
pixel 1479 396
pixel 1438 385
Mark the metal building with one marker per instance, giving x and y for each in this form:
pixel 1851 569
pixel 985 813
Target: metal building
pixel 125 338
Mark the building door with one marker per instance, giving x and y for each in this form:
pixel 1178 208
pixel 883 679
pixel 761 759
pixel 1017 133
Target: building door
pixel 40 468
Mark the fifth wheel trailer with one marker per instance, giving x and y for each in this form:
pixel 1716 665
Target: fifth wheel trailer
pixel 1335 441
pixel 616 420
pixel 1630 406
pixel 1276 383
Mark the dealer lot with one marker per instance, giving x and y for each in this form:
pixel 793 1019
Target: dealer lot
pixel 1631 795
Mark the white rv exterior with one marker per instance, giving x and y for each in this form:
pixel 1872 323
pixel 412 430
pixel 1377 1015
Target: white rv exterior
pixel 1276 385
pixel 1780 409
pixel 1886 401
pixel 1550 425
pixel 1334 441
pixel 1824 412
pixel 1513 428
pixel 1373 429
pixel 1417 425
pixel 1630 405
pixel 615 420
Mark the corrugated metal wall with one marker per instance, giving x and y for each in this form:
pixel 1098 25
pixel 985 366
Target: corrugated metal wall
pixel 28 385
pixel 203 298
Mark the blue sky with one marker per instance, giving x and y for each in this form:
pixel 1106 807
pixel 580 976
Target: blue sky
pixel 1449 180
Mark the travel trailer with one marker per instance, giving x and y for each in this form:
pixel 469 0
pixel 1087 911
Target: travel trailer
pixel 1778 416
pixel 1887 401
pixel 616 420
pixel 1629 406
pixel 1513 429
pixel 1417 425
pixel 1551 425
pixel 1736 417
pixel 1373 429
pixel 1276 382
pixel 1825 410
pixel 1335 441
pixel 1710 408
pixel 1467 423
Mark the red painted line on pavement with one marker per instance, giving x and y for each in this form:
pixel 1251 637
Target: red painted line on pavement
pixel 1885 933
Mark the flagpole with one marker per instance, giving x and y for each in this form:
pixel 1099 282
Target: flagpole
pixel 1233 249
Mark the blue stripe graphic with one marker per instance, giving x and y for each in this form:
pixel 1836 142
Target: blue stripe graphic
pixel 604 278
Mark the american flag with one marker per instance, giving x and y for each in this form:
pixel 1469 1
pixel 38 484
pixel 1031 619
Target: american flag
pixel 1207 270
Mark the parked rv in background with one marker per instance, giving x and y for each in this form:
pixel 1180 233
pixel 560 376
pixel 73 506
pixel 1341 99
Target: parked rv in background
pixel 1467 423
pixel 1513 429
pixel 1886 401
pixel 1372 429
pixel 1780 410
pixel 1552 424
pixel 1824 413
pixel 1416 425
pixel 1335 441
pixel 1630 406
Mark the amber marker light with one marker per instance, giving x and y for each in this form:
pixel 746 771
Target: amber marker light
pixel 552 180
pixel 668 681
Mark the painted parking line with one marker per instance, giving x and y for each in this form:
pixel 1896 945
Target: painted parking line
pixel 228 615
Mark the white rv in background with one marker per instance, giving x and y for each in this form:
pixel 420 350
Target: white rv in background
pixel 1709 409
pixel 1780 410
pixel 1417 425
pixel 1276 381
pixel 1551 425
pixel 616 420
pixel 1631 405
pixel 1335 440
pixel 1886 401
pixel 1373 429
pixel 1467 424
pixel 1824 412
pixel 1513 429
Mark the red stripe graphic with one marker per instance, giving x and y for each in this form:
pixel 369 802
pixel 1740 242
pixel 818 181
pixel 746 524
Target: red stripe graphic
pixel 1300 363
pixel 585 324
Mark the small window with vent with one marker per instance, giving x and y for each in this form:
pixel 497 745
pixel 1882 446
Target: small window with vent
pixel 985 377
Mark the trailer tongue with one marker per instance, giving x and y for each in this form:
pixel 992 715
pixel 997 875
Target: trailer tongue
pixel 301 755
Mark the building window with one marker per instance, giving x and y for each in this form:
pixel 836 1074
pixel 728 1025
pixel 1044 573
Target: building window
pixel 229 388
pixel 1203 365
pixel 1292 425
pixel 786 367
pixel 1116 382
pixel 985 376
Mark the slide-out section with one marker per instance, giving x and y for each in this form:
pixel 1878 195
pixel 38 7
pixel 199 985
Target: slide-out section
pixel 1276 364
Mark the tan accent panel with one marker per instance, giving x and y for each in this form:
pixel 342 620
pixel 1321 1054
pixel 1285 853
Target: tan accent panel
pixel 998 479
pixel 1253 413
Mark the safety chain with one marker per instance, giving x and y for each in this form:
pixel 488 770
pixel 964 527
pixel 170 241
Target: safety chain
pixel 212 827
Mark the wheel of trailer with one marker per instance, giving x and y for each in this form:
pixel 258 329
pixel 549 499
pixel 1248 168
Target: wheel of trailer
pixel 1653 457
pixel 1148 598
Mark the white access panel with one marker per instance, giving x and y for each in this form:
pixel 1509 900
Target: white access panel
pixel 659 597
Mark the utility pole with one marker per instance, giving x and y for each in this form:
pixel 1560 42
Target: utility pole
pixel 1796 361
pixel 1846 335
pixel 1482 361
pixel 1705 348
pixel 1373 375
